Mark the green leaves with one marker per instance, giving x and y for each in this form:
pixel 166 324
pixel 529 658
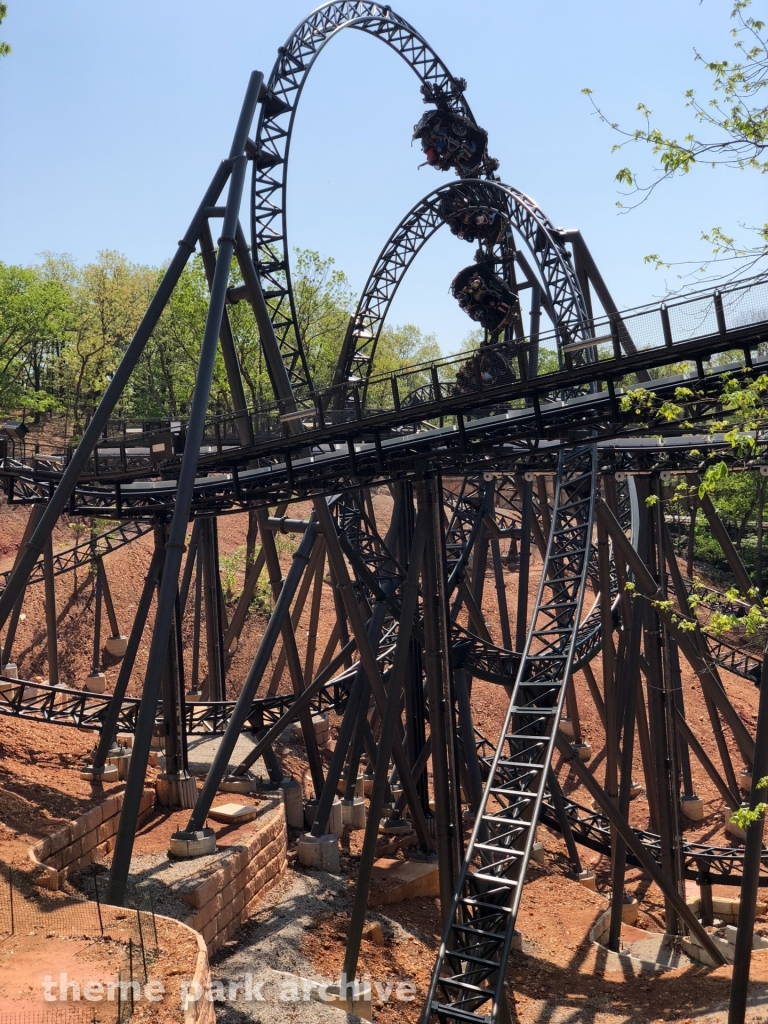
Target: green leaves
pixel 4 47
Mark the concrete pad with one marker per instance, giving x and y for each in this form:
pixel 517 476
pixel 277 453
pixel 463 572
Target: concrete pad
pixel 192 844
pixel 353 812
pixel 116 646
pixel 537 853
pixel 410 878
pixel 233 814
pixel 293 798
pixel 96 682
pixel 692 807
pixel 237 784
pixel 320 852
pixel 109 773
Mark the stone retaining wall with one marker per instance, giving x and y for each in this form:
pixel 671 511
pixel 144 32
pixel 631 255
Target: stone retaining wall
pixel 226 898
pixel 199 1010
pixel 89 837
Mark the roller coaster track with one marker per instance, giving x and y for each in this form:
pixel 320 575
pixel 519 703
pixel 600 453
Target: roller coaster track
pixel 117 536
pixel 270 166
pixel 469 971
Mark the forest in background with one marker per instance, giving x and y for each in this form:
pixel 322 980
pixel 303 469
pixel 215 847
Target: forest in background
pixel 64 328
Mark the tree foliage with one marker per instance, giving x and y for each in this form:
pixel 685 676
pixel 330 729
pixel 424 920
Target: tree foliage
pixel 731 131
pixel 64 329
pixel 4 47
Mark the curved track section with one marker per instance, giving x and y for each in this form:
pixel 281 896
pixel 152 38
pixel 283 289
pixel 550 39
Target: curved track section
pixel 269 230
pixel 560 293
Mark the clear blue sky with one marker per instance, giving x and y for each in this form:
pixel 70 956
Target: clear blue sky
pixel 113 117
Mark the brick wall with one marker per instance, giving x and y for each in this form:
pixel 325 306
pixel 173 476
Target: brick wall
pixel 226 898
pixel 88 838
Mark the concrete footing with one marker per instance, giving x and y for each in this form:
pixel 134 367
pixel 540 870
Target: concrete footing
pixel 584 750
pixel 355 1000
pixel 237 783
pixel 319 852
pixel 121 763
pixel 178 790
pixel 566 727
pixel 587 879
pixel 537 853
pixel 353 812
pixel 109 773
pixel 96 682
pixel 517 941
pixel 293 798
pixel 321 724
pixel 745 780
pixel 192 844
pixel 733 830
pixel 692 807
pixel 335 820
pixel 116 645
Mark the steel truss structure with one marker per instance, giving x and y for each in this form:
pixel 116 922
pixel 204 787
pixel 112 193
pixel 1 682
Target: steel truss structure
pixel 429 489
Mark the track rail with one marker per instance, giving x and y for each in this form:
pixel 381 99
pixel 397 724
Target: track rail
pixel 469 971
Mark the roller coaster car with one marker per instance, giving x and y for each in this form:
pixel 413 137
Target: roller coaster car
pixel 451 141
pixel 470 223
pixel 484 297
pixel 493 365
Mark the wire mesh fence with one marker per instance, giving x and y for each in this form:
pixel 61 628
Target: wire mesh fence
pixel 122 947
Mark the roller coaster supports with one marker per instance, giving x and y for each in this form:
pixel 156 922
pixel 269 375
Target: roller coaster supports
pixel 608 658
pixel 166 604
pixel 665 771
pixel 415 709
pixel 227 341
pixel 501 593
pixel 96 659
pixel 109 725
pixel 213 688
pixel 467 733
pixel 340 575
pixel 558 799
pixel 58 501
pixel 197 615
pixel 753 850
pixel 387 741
pixel 722 537
pixel 50 614
pixel 29 530
pixel 314 612
pixel 635 845
pixel 731 797
pixel 631 685
pixel 679 705
pixel 250 686
pixel 524 570
pixel 268 737
pixel 289 642
pixel 442 723
pixel 189 564
pixel 714 717
pixel 357 707
pixel 710 681
pixel 317 559
pixel 109 606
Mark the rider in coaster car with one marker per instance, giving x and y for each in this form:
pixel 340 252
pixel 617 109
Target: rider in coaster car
pixel 470 223
pixel 451 141
pixel 485 297
pixel 493 363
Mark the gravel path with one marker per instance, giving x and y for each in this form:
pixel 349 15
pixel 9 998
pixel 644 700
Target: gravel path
pixel 269 949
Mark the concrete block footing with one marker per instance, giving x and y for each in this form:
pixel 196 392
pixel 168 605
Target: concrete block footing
pixel 109 773
pixel 745 780
pixel 733 830
pixel 233 814
pixel 629 909
pixel 335 819
pixel 692 807
pixel 537 853
pixel 353 812
pixel 178 790
pixel 121 762
pixel 96 682
pixel 587 879
pixel 584 750
pixel 635 790
pixel 116 645
pixel 192 844
pixel 293 798
pixel 237 783
pixel 321 725
pixel 10 670
pixel 517 941
pixel 320 852
pixel 566 727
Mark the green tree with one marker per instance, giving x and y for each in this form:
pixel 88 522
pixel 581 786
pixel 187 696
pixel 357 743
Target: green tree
pixel 4 47
pixel 735 123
